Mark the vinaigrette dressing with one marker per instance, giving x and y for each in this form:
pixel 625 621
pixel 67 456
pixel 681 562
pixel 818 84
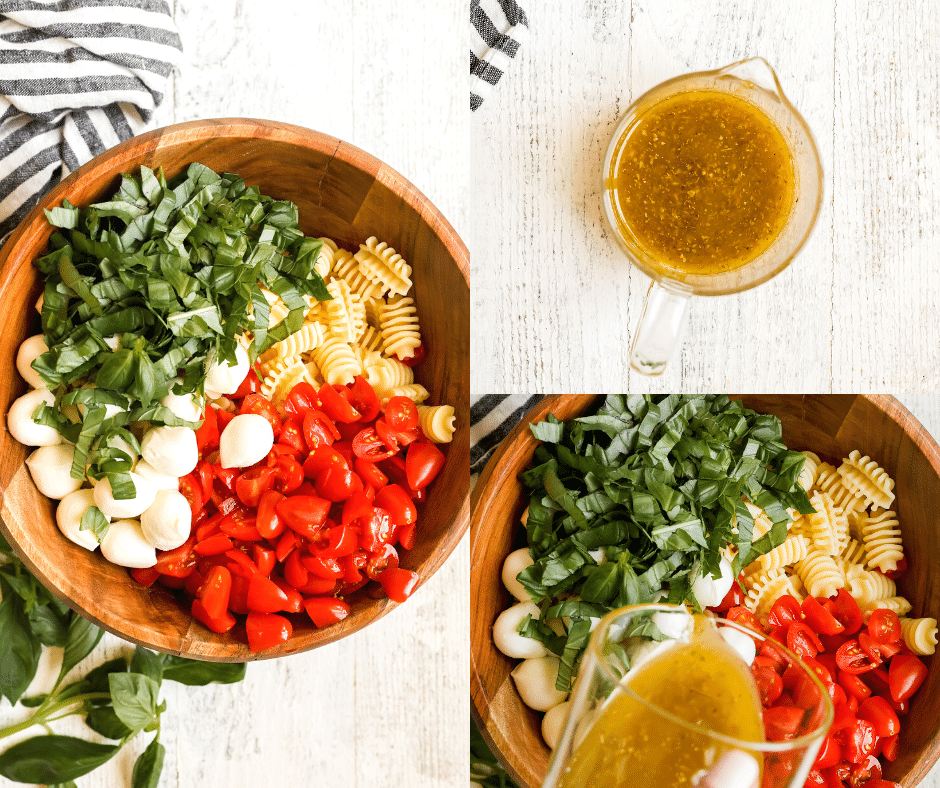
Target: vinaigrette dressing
pixel 631 746
pixel 703 182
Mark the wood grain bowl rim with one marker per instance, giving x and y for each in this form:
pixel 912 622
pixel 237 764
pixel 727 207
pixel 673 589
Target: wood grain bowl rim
pixel 29 234
pixel 512 446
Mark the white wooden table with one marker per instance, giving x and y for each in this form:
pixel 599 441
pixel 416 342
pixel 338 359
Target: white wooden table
pixel 387 707
pixel 555 302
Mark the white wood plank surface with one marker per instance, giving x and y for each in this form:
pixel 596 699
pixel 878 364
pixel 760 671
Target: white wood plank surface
pixel 555 302
pixel 387 707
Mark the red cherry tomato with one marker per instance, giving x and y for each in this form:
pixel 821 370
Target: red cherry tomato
pixel 207 435
pixel 319 429
pixel 802 640
pixel 877 652
pixel 250 385
pixel 264 596
pixel 401 414
pixel 295 601
pixel 877 711
pixel 288 474
pixel 734 598
pixel 343 542
pixel 301 398
pixel 215 592
pixel 370 473
pixel 368 446
pixel 398 583
pixel 884 626
pixel 423 461
pixel 214 545
pixel 852 659
pixel 146 577
pixel 769 684
pixel 304 514
pixel 178 562
pixel 317 565
pixel 744 617
pixel 415 359
pixel 264 558
pixel 325 610
pixel 782 722
pixel 381 560
pixel 252 484
pixel 819 618
pixel 376 530
pixel 292 435
pixel 905 675
pixel 363 398
pixel 220 625
pixel 267 630
pixel 853 685
pixel 356 506
pixel 829 754
pixel 859 741
pixel 268 522
pixel 191 488
pixel 848 612
pixel 336 406
pixel 322 458
pixel 337 483
pixel 890 747
pixel 900 570
pixel 401 509
pixel 258 404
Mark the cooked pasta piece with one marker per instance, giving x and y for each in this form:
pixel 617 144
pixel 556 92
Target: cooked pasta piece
pixel 309 337
pixel 854 552
pixel 386 374
pixel 437 422
pixel 829 481
pixel 849 569
pixel 314 372
pixel 920 635
pixel 337 361
pixel 768 588
pixel 828 527
pixel 897 604
pixel 414 391
pixel 371 339
pixel 346 267
pixel 820 573
pixel 808 474
pixel 325 258
pixel 868 480
pixel 868 587
pixel 398 322
pixel 793 550
pixel 881 534
pixel 384 267
pixel 373 307
pixel 856 520
pixel 287 374
pixel 345 314
pixel 762 522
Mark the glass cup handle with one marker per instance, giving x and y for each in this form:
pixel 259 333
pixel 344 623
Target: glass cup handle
pixel 661 326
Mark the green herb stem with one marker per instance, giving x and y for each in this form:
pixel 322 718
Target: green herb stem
pixel 42 716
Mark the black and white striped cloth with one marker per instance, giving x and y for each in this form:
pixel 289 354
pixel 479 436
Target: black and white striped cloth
pixel 492 417
pixel 497 30
pixel 76 78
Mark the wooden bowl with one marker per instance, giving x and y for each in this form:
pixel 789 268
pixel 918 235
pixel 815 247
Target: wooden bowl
pixel 341 192
pixel 831 426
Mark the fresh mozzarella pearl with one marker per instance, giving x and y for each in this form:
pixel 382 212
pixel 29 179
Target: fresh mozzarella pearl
pixel 515 562
pixel 535 681
pixel 124 545
pixel 743 644
pixel 51 469
pixel 673 625
pixel 186 406
pixel 223 379
pixel 167 521
pixel 131 507
pixel 20 420
pixel 29 351
pixel 553 722
pixel 113 341
pixel 734 769
pixel 161 481
pixel 68 516
pixel 708 590
pixel 172 450
pixel 245 440
pixel 116 442
pixel 599 555
pixel 509 641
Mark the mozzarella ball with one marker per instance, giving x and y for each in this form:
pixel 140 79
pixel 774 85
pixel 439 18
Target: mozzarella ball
pixel 109 410
pixel 161 481
pixel 124 545
pixel 741 643
pixel 51 469
pixel 131 507
pixel 734 769
pixel 171 450
pixel 68 516
pixel 167 521
pixel 245 440
pixel 223 379
pixel 186 406
pixel 20 420
pixel 640 650
pixel 117 442
pixel 673 624
pixel 509 641
pixel 535 681
pixel 554 722
pixel 29 351
pixel 515 562
pixel 708 590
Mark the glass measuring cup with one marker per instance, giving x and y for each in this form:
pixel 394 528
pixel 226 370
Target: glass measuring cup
pixel 667 302
pixel 620 731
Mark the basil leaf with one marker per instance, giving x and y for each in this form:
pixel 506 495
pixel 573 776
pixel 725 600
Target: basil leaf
pixel 93 520
pixel 19 649
pixel 135 699
pixel 197 673
pixel 48 624
pixel 53 759
pixel 104 720
pixel 148 766
pixel 147 663
pixel 82 639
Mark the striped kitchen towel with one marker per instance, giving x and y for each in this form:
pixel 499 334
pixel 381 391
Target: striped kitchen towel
pixel 76 78
pixel 497 30
pixel 492 417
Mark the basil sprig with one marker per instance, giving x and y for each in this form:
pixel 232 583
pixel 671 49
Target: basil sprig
pixel 659 484
pixel 118 699
pixel 174 271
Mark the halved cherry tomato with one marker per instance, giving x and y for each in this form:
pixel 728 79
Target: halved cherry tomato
pixel 146 577
pixel 890 747
pixel 395 439
pixel 401 509
pixel 884 626
pixel 781 722
pixel 829 754
pixel 401 413
pixel 295 601
pixel 227 476
pixel 363 399
pixel 326 610
pixel 322 458
pixel 250 385
pixel 343 541
pixel 292 435
pixel 252 483
pixel 733 598
pixel 191 489
pixel 221 624
pixel 905 675
pixel 819 618
pixel 368 446
pixel 319 430
pixel 335 405
pixel 302 397
pixel 375 529
pixel 337 483
pixel 241 564
pixel 852 659
pixel 295 572
pixel 877 711
pixel 877 652
pixel 288 474
pixel 268 522
pixel 405 536
pixel 207 434
pixel 215 591
pixel 423 461
pixel 264 596
pixel 356 506
pixel 415 359
pixel 213 545
pixel 858 741
pixel 802 640
pixel 267 630
pixel 238 599
pixel 848 612
pixel 264 558
pixel 900 570
pixel 740 614
pixel 317 565
pixel 241 528
pixel 258 404
pixel 304 514
pixel 381 560
pixel 769 685
pixel 178 562
pixel 398 583
pixel 853 685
